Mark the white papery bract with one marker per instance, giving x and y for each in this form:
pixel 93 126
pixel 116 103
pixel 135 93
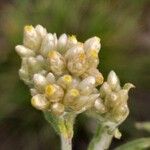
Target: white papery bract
pixel 61 72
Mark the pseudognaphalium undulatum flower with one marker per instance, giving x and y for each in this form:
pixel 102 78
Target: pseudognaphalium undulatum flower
pixel 63 77
pixel 61 72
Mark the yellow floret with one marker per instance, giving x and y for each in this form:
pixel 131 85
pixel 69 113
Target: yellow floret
pixel 94 54
pixel 72 38
pixel 67 78
pixel 52 54
pixel 74 92
pixel 28 28
pixel 49 90
pixel 82 56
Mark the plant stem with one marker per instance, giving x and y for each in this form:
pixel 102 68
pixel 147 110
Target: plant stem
pixel 101 140
pixel 66 143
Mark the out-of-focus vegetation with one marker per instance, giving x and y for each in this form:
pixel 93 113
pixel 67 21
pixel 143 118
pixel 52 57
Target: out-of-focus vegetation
pixel 124 29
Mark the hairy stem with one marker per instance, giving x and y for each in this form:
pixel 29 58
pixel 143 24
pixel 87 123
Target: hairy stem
pixel 66 143
pixel 101 140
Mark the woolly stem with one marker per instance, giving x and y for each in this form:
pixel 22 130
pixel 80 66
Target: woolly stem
pixel 66 143
pixel 101 140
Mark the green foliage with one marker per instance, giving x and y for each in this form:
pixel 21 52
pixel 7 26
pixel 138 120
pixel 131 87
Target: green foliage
pixel 139 144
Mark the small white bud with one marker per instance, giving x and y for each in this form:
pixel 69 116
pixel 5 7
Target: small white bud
pixel 92 44
pixel 71 41
pixel 71 95
pixel 100 107
pixel 31 39
pixel 34 65
pixel 23 51
pixel 65 81
pixel 47 44
pixel 50 78
pixel 41 31
pixel 57 108
pixel 24 75
pixel 74 51
pixel 41 60
pixel 95 73
pixel 56 62
pixel 54 92
pixel 62 41
pixel 113 80
pixel 40 102
pixel 105 89
pixel 111 100
pixel 86 86
pixel 40 82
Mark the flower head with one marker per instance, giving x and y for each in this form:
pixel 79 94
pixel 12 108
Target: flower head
pixel 61 72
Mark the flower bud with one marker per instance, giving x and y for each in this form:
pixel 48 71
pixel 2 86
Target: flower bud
pixel 74 51
pixel 40 31
pixel 123 96
pixel 50 78
pixel 24 75
pixel 57 108
pixel 54 92
pixel 31 39
pixel 70 96
pixel 99 106
pixel 111 100
pixel 39 102
pixel 71 41
pixel 40 81
pixel 92 44
pixel 24 72
pixel 95 73
pixel 47 45
pixel 120 113
pixel 104 89
pixel 92 57
pixel 33 65
pixel 62 41
pixel 57 62
pixel 41 60
pixel 86 86
pixel 65 81
pixel 113 81
pixel 23 51
pixel 76 59
pixel 79 103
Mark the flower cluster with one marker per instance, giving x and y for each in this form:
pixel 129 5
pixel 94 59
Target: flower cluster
pixel 112 103
pixel 61 72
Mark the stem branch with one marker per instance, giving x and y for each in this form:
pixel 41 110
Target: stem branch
pixel 101 140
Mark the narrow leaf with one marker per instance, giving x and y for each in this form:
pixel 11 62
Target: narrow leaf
pixel 138 144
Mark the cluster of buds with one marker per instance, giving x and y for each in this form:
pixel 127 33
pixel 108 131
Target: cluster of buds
pixel 112 103
pixel 61 72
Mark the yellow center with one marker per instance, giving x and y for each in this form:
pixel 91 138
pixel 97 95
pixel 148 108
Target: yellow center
pixel 82 56
pixel 74 92
pixel 28 28
pixel 94 53
pixel 72 38
pixel 67 78
pixel 50 90
pixel 52 54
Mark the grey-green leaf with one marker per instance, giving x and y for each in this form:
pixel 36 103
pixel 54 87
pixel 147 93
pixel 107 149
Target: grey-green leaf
pixel 138 144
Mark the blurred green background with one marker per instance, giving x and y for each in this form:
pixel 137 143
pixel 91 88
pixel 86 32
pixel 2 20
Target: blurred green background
pixel 124 29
